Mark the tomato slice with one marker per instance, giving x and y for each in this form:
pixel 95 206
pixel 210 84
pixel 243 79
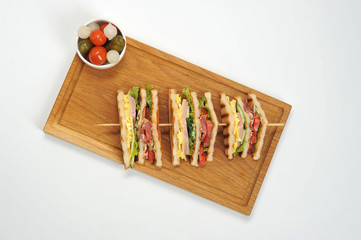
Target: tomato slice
pixel 209 127
pixel 98 55
pixel 253 138
pixel 251 148
pixel 147 110
pixel 150 155
pixel 256 122
pixel 202 156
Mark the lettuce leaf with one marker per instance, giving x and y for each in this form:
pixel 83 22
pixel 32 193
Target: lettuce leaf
pixel 239 109
pixel 151 147
pixel 202 104
pixel 239 149
pixel 135 148
pixel 135 94
pixel 191 134
pixel 190 121
pixel 149 97
pixel 189 99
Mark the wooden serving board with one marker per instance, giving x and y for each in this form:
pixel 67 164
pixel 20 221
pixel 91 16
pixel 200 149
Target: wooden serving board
pixel 88 97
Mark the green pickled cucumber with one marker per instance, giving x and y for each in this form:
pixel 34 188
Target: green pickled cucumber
pixel 85 45
pixel 117 44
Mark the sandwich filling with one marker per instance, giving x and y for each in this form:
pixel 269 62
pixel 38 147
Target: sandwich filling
pixel 146 128
pixel 189 133
pixel 131 105
pixel 184 116
pixel 241 134
pixel 255 124
pixel 206 130
pixel 240 126
pixel 180 135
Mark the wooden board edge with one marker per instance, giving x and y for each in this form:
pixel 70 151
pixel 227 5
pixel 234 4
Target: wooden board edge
pixel 267 162
pixel 83 141
pixel 61 94
pixel 197 69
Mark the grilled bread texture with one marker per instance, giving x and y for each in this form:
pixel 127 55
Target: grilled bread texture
pixel 228 118
pixel 213 115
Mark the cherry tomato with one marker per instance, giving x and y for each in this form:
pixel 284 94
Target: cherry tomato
pixel 98 55
pixel 103 26
pixel 97 37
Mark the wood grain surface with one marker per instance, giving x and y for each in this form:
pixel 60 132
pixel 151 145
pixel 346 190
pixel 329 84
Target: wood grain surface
pixel 88 97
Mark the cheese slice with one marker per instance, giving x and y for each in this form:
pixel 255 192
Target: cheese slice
pixel 129 122
pixel 236 126
pixel 180 135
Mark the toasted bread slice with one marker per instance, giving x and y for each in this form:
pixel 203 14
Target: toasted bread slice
pixel 248 128
pixel 123 130
pixel 197 141
pixel 263 126
pixel 175 127
pixel 155 129
pixel 228 118
pixel 213 115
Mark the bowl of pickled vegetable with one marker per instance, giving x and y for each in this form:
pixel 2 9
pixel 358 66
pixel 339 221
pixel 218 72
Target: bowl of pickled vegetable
pixel 100 44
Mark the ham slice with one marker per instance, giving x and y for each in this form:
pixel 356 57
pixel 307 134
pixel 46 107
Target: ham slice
pixel 146 132
pixel 132 108
pixel 255 127
pixel 248 108
pixel 203 111
pixel 184 122
pixel 203 120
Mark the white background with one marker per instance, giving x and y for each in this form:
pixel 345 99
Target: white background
pixel 306 53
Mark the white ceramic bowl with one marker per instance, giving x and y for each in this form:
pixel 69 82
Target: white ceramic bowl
pixel 106 65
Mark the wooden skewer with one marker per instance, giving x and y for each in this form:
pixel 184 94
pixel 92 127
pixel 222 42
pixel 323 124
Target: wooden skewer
pixel 108 125
pixel 169 124
pixel 275 124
